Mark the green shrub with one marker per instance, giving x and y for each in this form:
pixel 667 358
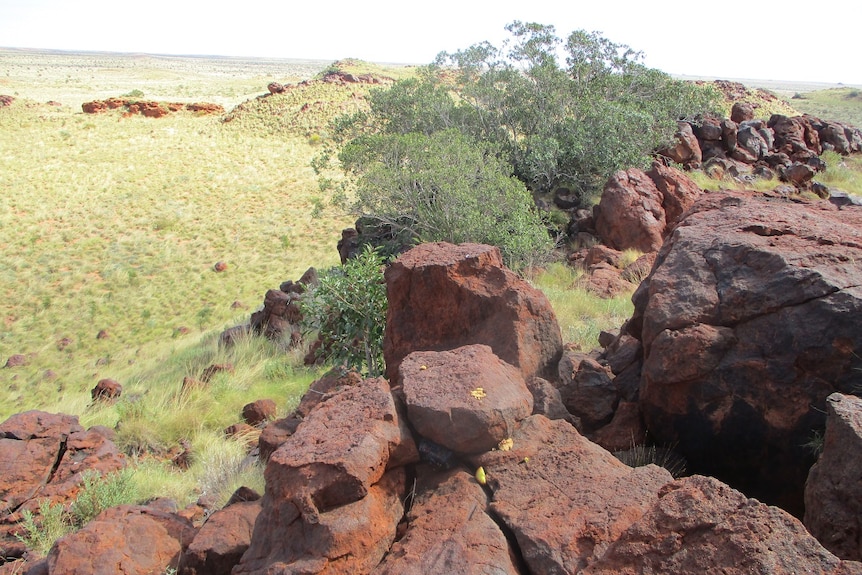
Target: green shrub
pixel 445 187
pixel 101 492
pixel 40 534
pixel 348 310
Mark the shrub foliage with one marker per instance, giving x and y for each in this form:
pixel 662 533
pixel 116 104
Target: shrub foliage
pixel 440 149
pixel 348 310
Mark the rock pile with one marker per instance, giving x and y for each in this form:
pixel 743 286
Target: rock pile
pixel 150 109
pixel 376 476
pixel 783 146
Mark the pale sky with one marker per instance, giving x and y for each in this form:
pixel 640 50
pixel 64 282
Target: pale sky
pixel 756 39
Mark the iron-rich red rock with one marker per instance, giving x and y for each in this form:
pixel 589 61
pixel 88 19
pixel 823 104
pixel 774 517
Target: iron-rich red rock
pixel 349 540
pixel 686 150
pixel 749 320
pixel 833 492
pixel 587 389
pixel 467 399
pixel 259 411
pixel 17 360
pixel 219 545
pixel 449 531
pixel 342 448
pixel 128 539
pixel 630 212
pixel 564 498
pixel 444 296
pixel 106 390
pixel 700 525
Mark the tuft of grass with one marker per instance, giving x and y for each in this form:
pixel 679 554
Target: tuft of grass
pixel 641 455
pixel 39 534
pixel 581 314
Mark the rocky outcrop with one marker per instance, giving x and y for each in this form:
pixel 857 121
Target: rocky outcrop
pixel 444 296
pixel 744 146
pixel 564 498
pixel 748 321
pixel 833 492
pixel 280 317
pixel 334 488
pixel 149 109
pixel 450 531
pixel 44 456
pixel 220 544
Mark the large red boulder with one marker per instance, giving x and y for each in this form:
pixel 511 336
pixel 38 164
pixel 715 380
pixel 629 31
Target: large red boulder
pixel 700 525
pixel 467 399
pixel 45 456
pixel 444 296
pixel 128 539
pixel 220 543
pixel 450 531
pixel 564 498
pixel 833 492
pixel 346 540
pixel 630 212
pixel 334 488
pixel 749 320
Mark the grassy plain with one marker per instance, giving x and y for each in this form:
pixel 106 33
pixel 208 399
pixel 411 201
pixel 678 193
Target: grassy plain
pixel 114 223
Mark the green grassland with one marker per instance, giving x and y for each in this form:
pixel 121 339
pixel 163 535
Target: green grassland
pixel 114 223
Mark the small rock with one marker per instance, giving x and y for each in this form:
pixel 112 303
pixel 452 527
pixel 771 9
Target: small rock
pixel 106 390
pixel 259 411
pixel 17 360
pixel 220 266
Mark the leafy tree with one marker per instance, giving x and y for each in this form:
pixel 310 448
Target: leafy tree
pixel 348 310
pixel 439 151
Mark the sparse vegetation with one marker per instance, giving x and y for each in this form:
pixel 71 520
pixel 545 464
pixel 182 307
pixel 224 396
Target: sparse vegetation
pixel 347 309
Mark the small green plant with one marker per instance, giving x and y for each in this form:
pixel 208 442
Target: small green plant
pixel 348 310
pixel 101 492
pixel 815 443
pixel 39 534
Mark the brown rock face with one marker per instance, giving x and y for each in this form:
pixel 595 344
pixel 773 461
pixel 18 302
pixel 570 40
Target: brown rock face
pixel 343 448
pixel 43 456
pixel 700 525
pixel 331 505
pixel 833 492
pixel 631 213
pixel 349 540
pixel 443 296
pixel 564 498
pixel 259 411
pixel 687 150
pixel 467 399
pixel 749 320
pixel 106 390
pixel 129 539
pixel 450 531
pixel 219 544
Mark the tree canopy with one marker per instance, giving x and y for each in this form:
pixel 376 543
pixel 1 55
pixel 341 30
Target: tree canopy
pixel 456 151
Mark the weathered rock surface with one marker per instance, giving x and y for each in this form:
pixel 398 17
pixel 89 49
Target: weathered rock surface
pixel 749 320
pixel 467 399
pixel 588 390
pixel 638 209
pixel 219 545
pixel 700 525
pixel 340 450
pixel 630 212
pixel 349 540
pixel 334 488
pixel 450 531
pixel 128 539
pixel 444 296
pixel 44 456
pixel 564 498
pixel 833 492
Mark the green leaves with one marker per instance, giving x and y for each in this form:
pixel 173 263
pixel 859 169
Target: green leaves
pixel 348 310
